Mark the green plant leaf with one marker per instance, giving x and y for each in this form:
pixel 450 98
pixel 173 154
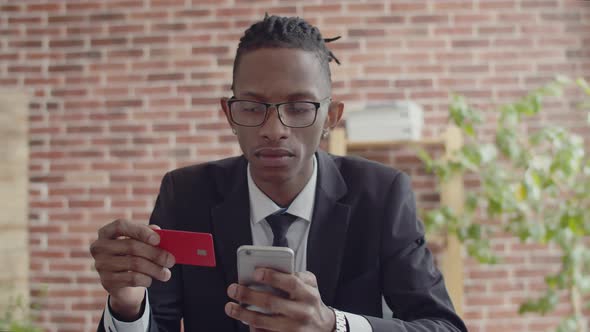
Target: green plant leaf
pixel 581 82
pixel 533 185
pixel 541 305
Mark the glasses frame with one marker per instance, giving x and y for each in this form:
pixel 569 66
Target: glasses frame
pixel 317 105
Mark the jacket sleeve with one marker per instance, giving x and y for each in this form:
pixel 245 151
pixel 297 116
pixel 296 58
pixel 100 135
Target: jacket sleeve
pixel 165 298
pixel 412 286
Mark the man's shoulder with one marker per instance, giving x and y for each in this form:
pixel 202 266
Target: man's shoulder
pixel 363 170
pixel 208 175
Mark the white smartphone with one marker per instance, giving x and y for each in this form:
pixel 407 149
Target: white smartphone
pixel 251 257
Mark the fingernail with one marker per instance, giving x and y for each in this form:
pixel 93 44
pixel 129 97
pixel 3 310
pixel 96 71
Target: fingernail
pixel 259 275
pixel 228 309
pixel 153 239
pixel 232 290
pixel 167 274
pixel 170 261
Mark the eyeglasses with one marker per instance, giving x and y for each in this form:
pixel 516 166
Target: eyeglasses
pixel 294 114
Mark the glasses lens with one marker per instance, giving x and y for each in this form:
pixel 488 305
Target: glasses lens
pixel 248 113
pixel 298 114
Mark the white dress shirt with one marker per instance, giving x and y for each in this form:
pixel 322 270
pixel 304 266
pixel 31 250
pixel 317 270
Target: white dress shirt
pixel 260 207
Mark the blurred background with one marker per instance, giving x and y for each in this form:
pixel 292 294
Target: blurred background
pixel 98 99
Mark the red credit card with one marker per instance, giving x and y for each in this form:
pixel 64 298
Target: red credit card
pixel 189 248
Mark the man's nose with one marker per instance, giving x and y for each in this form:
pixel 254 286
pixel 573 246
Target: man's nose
pixel 273 129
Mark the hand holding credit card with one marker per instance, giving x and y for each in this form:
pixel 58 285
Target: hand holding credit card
pixel 189 248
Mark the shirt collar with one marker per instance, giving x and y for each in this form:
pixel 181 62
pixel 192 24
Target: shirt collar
pixel 302 207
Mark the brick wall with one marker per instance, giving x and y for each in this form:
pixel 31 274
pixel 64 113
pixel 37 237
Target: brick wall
pixel 122 91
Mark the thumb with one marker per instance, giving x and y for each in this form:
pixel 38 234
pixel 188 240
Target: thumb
pixel 154 226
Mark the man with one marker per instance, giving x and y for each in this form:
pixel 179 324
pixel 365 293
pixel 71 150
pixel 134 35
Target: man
pixel 351 222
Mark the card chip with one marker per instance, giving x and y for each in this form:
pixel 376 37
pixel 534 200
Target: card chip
pixel 201 252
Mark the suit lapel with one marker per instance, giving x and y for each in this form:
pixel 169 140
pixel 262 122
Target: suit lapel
pixel 231 218
pixel 327 234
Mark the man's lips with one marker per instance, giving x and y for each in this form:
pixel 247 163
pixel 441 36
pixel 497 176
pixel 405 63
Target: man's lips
pixel 274 157
pixel 273 153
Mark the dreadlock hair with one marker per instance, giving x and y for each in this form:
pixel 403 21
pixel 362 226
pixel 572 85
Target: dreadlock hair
pixel 286 32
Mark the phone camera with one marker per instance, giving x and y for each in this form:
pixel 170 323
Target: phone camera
pixel 248 252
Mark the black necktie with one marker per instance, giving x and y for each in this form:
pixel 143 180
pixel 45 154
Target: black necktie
pixel 280 223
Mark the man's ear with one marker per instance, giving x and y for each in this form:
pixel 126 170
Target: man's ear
pixel 334 114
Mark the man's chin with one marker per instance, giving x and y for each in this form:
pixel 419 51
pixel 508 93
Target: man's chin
pixel 272 174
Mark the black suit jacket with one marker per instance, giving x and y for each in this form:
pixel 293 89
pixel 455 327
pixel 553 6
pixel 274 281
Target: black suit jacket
pixel 365 242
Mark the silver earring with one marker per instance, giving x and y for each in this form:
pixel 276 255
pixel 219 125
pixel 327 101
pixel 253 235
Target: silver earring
pixel 233 130
pixel 325 133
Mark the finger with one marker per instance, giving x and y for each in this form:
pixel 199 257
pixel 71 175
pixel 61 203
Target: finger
pixel 132 247
pixel 255 319
pixel 289 283
pixel 253 329
pixel 308 278
pixel 114 280
pixel 154 226
pixel 133 264
pixel 130 229
pixel 265 300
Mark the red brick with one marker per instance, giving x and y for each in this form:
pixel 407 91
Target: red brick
pixel 438 19
pixel 408 6
pixel 193 13
pixel 366 32
pixel 124 103
pixel 366 7
pixel 84 30
pixel 167 3
pixel 127 28
pixel 125 53
pixel 172 127
pixel 25 20
pixel 11 8
pixel 324 8
pixel 548 4
pixel 86 203
pixel 150 40
pixel 134 4
pixel 215 50
pixel 389 19
pixel 496 30
pixel 453 5
pixel 234 12
pixel 165 77
pixel 107 17
pixel 66 19
pixel 65 68
pixel 24 69
pixel 8 56
pixel 127 153
pixel 468 43
pixel 370 84
pixel 498 4
pixel 25 44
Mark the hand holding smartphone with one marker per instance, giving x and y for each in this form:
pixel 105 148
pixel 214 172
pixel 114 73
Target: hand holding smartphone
pixel 251 257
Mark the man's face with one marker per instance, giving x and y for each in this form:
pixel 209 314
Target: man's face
pixel 273 75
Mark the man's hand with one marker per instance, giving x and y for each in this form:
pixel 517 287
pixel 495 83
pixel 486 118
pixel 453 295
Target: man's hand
pixel 301 310
pixel 126 261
